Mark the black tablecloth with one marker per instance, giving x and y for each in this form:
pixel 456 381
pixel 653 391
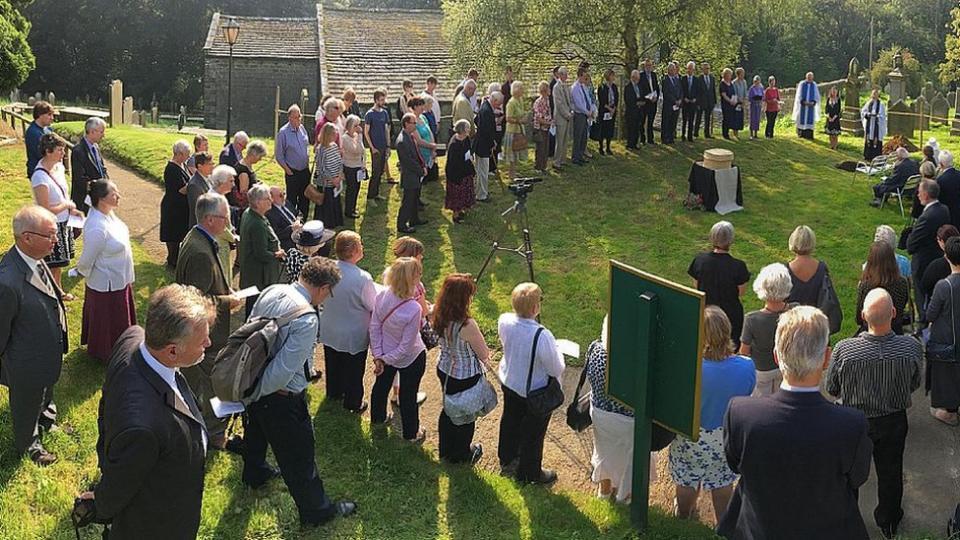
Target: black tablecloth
pixel 703 182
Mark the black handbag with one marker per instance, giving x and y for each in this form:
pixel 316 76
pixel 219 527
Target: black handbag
pixel 578 412
pixel 542 401
pixel 945 352
pixel 429 336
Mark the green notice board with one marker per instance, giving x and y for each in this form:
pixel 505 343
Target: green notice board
pixel 668 355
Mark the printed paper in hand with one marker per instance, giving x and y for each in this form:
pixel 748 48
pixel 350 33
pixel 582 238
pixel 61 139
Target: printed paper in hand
pixel 223 409
pixel 467 155
pixel 568 348
pixel 338 190
pixel 676 107
pixel 651 96
pixel 362 174
pixel 607 116
pixel 248 292
pixel 75 221
pixel 72 272
pixel 553 130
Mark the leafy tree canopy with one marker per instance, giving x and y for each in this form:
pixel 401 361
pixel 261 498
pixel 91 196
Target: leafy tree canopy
pixel 16 58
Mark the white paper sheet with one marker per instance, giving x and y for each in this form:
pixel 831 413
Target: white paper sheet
pixel 337 190
pixel 223 409
pixel 362 174
pixel 248 292
pixel 553 130
pixel 467 155
pixel 651 96
pixel 76 221
pixel 607 116
pixel 568 348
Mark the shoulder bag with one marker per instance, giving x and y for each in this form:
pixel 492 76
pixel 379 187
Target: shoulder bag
pixel 945 352
pixel 466 406
pixel 428 335
pixel 578 412
pixel 828 302
pixel 542 401
pixel 519 143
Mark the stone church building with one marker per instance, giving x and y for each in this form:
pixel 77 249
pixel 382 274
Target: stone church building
pixel 339 48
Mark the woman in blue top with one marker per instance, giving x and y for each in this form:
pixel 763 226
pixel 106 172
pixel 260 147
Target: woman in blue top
pixel 702 465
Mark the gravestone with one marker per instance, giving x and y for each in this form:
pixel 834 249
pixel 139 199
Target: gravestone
pixel 922 108
pixel 955 125
pixel 135 118
pixel 51 98
pixel 116 103
pixel 897 87
pixel 143 118
pixel 31 101
pixel 15 95
pixel 37 97
pixel 952 97
pixel 850 118
pixel 940 109
pixel 900 120
pixel 928 92
pixel 154 114
pixel 127 113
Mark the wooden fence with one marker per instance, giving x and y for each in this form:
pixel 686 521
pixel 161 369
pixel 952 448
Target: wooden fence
pixel 11 118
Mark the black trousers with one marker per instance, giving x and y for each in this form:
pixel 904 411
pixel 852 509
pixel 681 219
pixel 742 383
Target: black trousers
pixel 521 436
pixel 352 189
pixel 173 253
pixel 889 436
pixel 407 216
pixel 296 184
pixel 455 440
pixel 552 144
pixel 632 125
pixel 409 386
pixel 668 124
pixel 647 113
pixel 378 162
pixel 344 376
pixel 706 117
pixel 283 423
pixel 689 119
pixel 31 407
pixel 771 122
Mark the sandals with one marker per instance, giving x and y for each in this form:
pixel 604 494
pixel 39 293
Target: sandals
pixel 947 418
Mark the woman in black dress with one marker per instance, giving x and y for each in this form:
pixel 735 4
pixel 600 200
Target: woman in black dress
pixel 173 206
pixel 728 105
pixel 246 177
pixel 833 117
pixel 459 172
pixel 943 374
pixel 722 277
pixel 608 97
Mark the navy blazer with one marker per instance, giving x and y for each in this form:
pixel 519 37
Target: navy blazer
pixel 150 450
pixel 282 224
pixel 922 241
pixel 801 461
pixel 84 168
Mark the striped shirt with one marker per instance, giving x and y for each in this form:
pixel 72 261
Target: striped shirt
pixel 457 357
pixel 875 374
pixel 329 166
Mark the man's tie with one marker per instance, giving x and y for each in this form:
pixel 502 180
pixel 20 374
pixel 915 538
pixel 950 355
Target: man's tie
pixel 43 276
pixel 187 395
pixel 96 159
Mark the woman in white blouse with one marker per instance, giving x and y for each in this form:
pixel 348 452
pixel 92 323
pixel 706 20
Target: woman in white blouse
pixel 522 432
pixel 352 144
pixel 107 264
pixel 51 191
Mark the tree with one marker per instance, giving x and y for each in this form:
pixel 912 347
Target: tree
pixel 16 58
pixel 950 68
pixel 536 33
pixel 912 74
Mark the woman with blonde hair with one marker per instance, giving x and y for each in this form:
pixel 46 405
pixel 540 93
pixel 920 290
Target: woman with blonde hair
pixel 701 465
pixel 542 120
pixel 514 138
pixel 772 286
pixel 408 246
pixel 806 272
pixel 328 178
pixel 354 167
pixel 397 347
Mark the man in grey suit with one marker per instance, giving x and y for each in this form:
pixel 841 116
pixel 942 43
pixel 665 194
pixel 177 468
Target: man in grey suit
pixel 198 184
pixel 33 330
pixel 412 169
pixel 563 115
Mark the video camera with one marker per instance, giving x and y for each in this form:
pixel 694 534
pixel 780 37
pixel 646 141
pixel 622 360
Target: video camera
pixel 522 186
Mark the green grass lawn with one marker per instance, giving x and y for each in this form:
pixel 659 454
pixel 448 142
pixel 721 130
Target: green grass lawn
pixel 626 207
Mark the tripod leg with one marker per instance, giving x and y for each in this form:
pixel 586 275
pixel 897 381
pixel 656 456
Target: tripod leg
pixel 527 242
pixel 493 249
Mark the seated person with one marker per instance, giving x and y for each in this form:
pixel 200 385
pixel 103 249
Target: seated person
pixel 902 170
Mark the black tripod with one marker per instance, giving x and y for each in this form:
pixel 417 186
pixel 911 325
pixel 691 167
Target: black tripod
pixel 516 213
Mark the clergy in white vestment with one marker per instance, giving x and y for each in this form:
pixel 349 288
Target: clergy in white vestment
pixel 806 106
pixel 874 114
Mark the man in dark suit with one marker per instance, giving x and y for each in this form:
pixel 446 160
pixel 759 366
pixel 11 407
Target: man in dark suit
pixel 412 169
pixel 152 442
pixel 672 101
pixel 283 219
pixel 199 266
pixel 484 143
pixel 800 458
pixel 33 330
pixel 86 162
pixel 949 181
pixel 650 92
pixel 633 103
pixel 922 241
pixel 902 171
pixel 233 152
pixel 199 184
pixel 706 102
pixel 690 93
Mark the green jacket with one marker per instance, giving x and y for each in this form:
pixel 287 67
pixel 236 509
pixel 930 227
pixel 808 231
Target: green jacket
pixel 198 265
pixel 258 243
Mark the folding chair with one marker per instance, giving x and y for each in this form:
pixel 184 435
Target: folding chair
pixel 909 189
pixel 877 166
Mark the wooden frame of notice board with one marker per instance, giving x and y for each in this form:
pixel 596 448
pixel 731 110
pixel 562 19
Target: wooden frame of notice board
pixel 654 341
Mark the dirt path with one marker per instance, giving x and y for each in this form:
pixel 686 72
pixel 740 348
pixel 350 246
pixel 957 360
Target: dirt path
pixel 139 208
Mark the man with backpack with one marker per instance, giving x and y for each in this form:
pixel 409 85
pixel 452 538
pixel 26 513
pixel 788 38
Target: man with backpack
pixel 277 410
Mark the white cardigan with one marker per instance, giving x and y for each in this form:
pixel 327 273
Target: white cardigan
pixel 106 260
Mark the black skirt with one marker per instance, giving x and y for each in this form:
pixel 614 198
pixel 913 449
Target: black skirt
pixel 943 381
pixel 331 211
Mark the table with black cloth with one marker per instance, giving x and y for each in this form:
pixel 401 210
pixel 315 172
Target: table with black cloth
pixel 703 183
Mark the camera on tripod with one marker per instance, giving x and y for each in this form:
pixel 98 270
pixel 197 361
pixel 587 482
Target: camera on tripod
pixel 522 186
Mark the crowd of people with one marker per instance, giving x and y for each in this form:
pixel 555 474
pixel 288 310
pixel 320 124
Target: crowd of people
pixel 226 231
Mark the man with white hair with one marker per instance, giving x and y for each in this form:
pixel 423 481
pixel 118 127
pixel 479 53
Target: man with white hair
pixel 806 106
pixel 949 181
pixel 582 108
pixel 33 331
pixel 672 101
pixel 800 458
pixel 233 152
pixel 690 91
pixel 876 372
pixel 632 102
pixel 905 167
pixel 293 155
pixel 86 162
pixel 485 142
pixel 462 109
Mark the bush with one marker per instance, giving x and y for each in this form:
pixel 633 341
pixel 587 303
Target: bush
pixel 911 70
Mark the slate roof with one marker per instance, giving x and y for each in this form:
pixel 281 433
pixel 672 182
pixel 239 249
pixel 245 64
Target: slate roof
pixel 265 37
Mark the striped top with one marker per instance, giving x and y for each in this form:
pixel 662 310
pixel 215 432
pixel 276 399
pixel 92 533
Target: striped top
pixel 329 166
pixel 875 374
pixel 457 357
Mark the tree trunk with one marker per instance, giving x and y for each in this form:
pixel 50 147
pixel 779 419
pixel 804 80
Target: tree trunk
pixel 631 52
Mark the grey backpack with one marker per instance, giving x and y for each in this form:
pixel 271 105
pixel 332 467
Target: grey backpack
pixel 240 364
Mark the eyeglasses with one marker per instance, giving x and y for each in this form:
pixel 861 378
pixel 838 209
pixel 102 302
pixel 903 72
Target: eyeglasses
pixel 49 237
pixel 221 217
